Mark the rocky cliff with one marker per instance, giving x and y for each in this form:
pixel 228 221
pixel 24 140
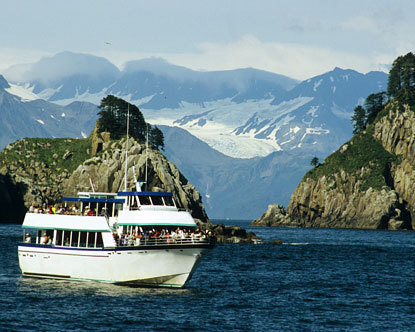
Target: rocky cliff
pixel 107 168
pixel 44 170
pixel 368 183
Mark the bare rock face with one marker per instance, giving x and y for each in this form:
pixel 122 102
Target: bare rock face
pixel 341 201
pixel 25 180
pixel 105 172
pixel 317 204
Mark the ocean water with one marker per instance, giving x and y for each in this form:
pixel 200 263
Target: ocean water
pixel 318 280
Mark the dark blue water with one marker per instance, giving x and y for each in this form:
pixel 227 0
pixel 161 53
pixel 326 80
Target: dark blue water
pixel 319 280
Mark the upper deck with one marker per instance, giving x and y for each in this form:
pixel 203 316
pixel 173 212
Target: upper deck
pixel 142 208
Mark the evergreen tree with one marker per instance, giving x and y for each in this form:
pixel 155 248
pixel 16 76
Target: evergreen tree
pixel 156 138
pixel 315 162
pixel 113 118
pixel 374 104
pixel 401 83
pixel 359 119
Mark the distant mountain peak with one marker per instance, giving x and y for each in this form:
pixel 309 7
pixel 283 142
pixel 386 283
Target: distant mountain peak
pixel 63 65
pixel 3 83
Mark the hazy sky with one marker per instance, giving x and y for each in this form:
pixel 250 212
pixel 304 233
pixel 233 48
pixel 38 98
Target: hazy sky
pixel 297 38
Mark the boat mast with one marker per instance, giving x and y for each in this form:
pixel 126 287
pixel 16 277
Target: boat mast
pixel 146 156
pixel 126 148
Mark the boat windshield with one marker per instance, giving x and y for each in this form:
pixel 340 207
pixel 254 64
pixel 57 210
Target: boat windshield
pixel 138 198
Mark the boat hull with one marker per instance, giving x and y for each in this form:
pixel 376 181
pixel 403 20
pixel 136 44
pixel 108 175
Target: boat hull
pixel 163 266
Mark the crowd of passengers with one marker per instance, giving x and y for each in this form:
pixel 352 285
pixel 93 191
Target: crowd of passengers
pixel 163 236
pixel 60 209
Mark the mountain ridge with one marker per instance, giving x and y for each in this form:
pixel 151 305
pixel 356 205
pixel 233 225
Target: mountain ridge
pixel 267 131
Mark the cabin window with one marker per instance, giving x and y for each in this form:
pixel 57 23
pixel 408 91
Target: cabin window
pixel 66 238
pixel 157 200
pixel 134 203
pixel 168 200
pixel 39 236
pixel 59 237
pixel 145 200
pixel 75 239
pixel 100 243
pixel 91 239
pixel 82 240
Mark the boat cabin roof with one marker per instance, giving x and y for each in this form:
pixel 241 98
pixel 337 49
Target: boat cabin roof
pixel 93 200
pixel 145 193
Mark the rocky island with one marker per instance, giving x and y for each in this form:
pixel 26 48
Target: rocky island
pixel 369 182
pixel 42 171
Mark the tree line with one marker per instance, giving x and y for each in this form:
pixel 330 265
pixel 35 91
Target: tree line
pixel 401 86
pixel 113 119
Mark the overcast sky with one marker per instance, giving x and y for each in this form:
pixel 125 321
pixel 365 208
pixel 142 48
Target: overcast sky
pixel 297 38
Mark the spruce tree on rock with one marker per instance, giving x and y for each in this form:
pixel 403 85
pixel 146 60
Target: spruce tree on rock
pixel 315 162
pixel 374 104
pixel 113 118
pixel 156 138
pixel 401 83
pixel 359 119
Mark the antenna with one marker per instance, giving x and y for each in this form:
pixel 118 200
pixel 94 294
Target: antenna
pixel 92 185
pixel 126 148
pixel 146 157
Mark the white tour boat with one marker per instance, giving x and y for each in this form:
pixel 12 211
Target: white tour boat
pixel 138 238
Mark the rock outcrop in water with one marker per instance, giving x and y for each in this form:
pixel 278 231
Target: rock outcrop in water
pixel 368 183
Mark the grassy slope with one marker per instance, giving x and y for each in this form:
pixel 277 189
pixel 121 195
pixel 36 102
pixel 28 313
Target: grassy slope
pixel 362 151
pixel 46 151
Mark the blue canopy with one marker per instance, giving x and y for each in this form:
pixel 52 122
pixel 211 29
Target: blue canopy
pixel 93 200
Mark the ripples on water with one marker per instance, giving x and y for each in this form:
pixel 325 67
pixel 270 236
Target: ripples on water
pixel 317 280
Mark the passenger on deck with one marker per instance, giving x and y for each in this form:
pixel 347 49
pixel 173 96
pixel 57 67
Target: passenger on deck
pixel 60 210
pixel 137 239
pixel 46 239
pixel 91 212
pixel 122 240
pixel 28 239
pixel 32 208
pixel 130 239
pixel 116 238
pixel 73 209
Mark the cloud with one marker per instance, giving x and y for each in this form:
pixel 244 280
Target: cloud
pixel 13 56
pixel 61 65
pixel 298 61
pixel 295 60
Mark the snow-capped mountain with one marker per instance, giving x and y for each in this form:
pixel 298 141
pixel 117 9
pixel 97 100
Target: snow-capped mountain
pixel 218 120
pixel 242 113
pixel 315 115
pixel 65 77
pixel 38 118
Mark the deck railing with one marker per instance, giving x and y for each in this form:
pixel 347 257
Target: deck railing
pixel 166 241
